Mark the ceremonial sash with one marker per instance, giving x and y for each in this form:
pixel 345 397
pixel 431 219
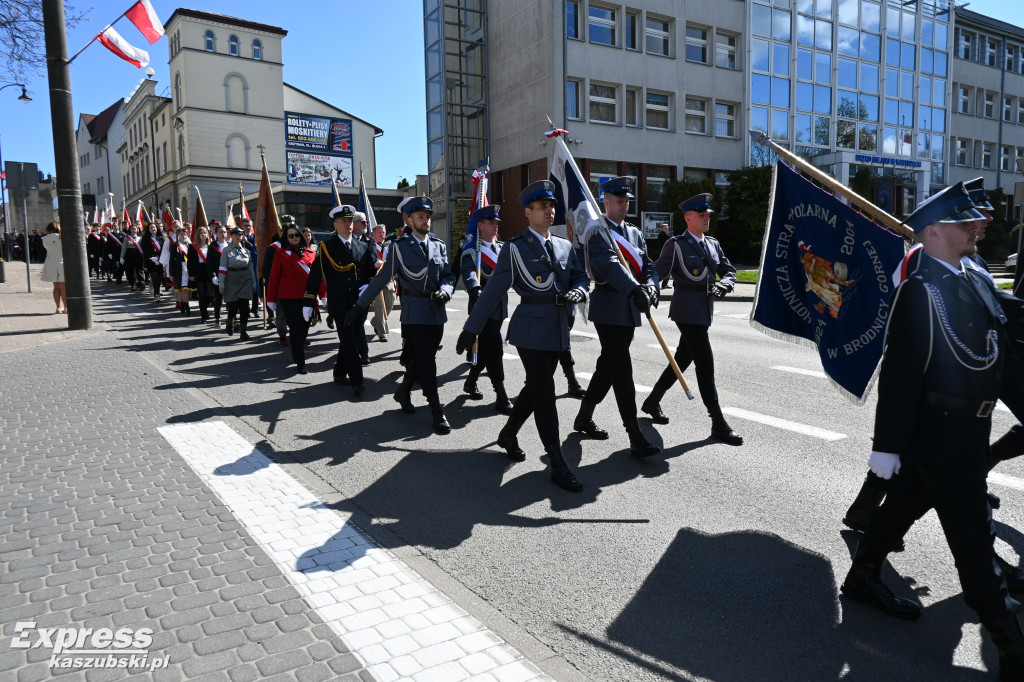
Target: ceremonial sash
pixel 305 268
pixel 183 250
pixel 135 243
pixel 156 244
pixel 119 242
pixel 630 253
pixel 487 255
pixel 202 256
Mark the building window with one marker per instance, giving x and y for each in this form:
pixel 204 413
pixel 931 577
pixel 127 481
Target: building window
pixel 657 111
pixel 632 29
pixel 696 44
pixel 1011 57
pixel 165 157
pixel 572 19
pixel 656 36
pixel 602 25
pixel 696 115
pixel 1008 109
pixel 990 105
pixel 725 50
pixel 99 185
pixel 963 100
pixel 962 147
pixel 963 45
pixel 156 157
pixel 1020 111
pixel 991 50
pixel 257 50
pixel 725 120
pixel 572 100
pixel 181 151
pixel 603 100
pixel 1005 157
pixel 632 102
pixel 210 43
pixel 657 178
pixel 986 154
pixel 233 46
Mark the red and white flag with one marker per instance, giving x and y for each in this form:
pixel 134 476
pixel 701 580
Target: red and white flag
pixel 113 41
pixel 144 17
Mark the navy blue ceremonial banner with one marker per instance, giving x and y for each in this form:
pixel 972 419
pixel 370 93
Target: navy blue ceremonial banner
pixel 826 280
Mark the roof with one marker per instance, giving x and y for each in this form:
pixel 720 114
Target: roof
pixel 225 19
pixel 100 124
pixel 377 131
pixel 989 22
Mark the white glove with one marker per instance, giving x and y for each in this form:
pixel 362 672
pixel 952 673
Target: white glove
pixel 362 289
pixel 884 464
pixel 271 306
pixel 154 259
pixel 307 314
pixel 122 261
pixel 323 301
pixel 216 281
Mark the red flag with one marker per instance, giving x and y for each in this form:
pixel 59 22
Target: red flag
pixel 112 40
pixel 126 216
pixel 144 17
pixel 245 211
pixel 267 225
pixel 166 217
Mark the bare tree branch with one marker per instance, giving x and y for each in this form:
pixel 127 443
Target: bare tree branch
pixel 22 45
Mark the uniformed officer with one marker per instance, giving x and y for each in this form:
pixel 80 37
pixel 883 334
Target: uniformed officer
pixel 345 265
pixel 944 357
pixel 544 271
pixel 695 261
pixel 621 295
pixel 360 233
pixel 419 262
pixel 490 346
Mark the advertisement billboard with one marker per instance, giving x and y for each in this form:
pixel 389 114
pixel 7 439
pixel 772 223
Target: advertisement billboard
pixel 318 149
pixel 306 168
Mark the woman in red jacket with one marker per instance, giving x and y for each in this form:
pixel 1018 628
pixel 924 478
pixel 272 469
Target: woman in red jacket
pixel 287 288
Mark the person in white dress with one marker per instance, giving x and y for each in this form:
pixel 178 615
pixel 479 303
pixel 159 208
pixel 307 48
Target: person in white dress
pixel 53 266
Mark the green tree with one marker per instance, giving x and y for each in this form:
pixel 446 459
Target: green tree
pixel 678 191
pixel 861 183
pixel 997 244
pixel 747 198
pixel 402 184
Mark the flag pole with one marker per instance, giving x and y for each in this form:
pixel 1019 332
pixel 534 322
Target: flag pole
pixel 892 222
pixel 622 261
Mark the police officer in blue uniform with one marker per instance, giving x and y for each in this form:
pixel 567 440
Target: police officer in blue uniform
pixel 345 265
pixel 621 294
pixel 544 271
pixel 490 346
pixel 695 261
pixel 944 358
pixel 419 262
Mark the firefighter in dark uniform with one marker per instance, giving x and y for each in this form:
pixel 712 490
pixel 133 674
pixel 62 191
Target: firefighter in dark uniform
pixel 345 265
pixel 490 346
pixel 695 261
pixel 943 358
pixel 621 294
pixel 544 271
pixel 419 262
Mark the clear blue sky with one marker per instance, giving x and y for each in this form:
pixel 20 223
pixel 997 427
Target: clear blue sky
pixel 363 57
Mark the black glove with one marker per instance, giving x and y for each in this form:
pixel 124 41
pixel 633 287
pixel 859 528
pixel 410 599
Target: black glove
pixel 640 299
pixel 440 296
pixel 574 296
pixel 653 294
pixel 474 294
pixel 720 289
pixel 355 316
pixel 465 342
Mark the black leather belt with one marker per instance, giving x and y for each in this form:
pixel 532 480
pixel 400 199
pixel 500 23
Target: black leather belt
pixel 976 408
pixel 540 300
pixel 416 294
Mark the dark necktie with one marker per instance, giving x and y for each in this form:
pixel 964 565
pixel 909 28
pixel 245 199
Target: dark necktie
pixel 551 251
pixel 423 248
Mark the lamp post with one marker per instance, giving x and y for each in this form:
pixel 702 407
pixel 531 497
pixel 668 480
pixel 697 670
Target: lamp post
pixel 3 202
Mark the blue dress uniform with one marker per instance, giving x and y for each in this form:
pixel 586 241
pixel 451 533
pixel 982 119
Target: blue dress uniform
pixel 621 294
pixel 548 278
pixel 343 267
pixel 491 346
pixel 939 379
pixel 421 267
pixel 694 264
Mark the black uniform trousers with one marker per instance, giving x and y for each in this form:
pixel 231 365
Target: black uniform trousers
pixel 614 370
pixel 298 328
pixel 420 354
pixel 947 472
pixel 490 350
pixel 347 363
pixel 565 357
pixel 156 275
pixel 538 396
pixel 694 346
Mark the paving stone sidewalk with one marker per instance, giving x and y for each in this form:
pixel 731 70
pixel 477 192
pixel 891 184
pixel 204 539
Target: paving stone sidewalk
pixel 103 526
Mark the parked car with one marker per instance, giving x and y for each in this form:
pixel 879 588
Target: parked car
pixel 1011 263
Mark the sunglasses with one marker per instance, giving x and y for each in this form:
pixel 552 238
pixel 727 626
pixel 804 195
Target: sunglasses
pixel 294 235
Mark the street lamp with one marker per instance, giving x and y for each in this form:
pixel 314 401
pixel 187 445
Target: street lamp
pixel 3 203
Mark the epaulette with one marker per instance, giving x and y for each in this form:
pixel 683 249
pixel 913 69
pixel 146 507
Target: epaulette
pixel 516 238
pixel 434 238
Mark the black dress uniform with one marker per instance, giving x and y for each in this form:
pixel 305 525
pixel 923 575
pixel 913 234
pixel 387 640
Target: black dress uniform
pixel 115 241
pixel 621 294
pixel 152 246
pixel 421 268
pixel 548 278
pixel 943 361
pixel 695 265
pixel 93 248
pixel 344 266
pixel 213 256
pixel 490 346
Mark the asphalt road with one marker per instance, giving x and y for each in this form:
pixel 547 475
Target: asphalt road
pixel 704 562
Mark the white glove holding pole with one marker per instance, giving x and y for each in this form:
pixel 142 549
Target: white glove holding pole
pixel 307 314
pixel 884 464
pixel 122 261
pixel 216 281
pixel 271 306
pixel 362 289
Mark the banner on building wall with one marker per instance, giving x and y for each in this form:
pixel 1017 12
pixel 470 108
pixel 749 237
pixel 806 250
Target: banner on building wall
pixel 306 168
pixel 650 220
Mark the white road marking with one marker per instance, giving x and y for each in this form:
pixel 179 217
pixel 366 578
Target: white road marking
pixel 640 388
pixel 396 621
pixel 798 370
pixel 579 332
pixel 796 427
pixel 736 316
pixel 509 356
pixel 1006 481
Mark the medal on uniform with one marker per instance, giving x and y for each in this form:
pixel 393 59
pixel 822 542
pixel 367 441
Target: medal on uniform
pixel 695 271
pixel 538 280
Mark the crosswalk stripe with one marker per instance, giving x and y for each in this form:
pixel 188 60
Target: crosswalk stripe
pixel 1006 481
pixel 799 370
pixel 640 388
pixel 579 332
pixel 796 427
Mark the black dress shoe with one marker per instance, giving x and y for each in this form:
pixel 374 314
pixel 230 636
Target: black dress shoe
pixel 342 379
pixel 364 359
pixel 654 410
pixel 867 587
pixel 725 434
pixel 471 390
pixel 358 388
pixel 577 391
pixel 510 444
pixel 302 370
pixel 244 336
pixel 503 405
pixel 1013 575
pixel 441 424
pixel 403 398
pixel 564 478
pixel 589 428
pixel 993 499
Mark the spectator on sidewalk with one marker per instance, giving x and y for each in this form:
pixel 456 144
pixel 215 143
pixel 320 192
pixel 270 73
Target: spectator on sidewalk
pixel 53 268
